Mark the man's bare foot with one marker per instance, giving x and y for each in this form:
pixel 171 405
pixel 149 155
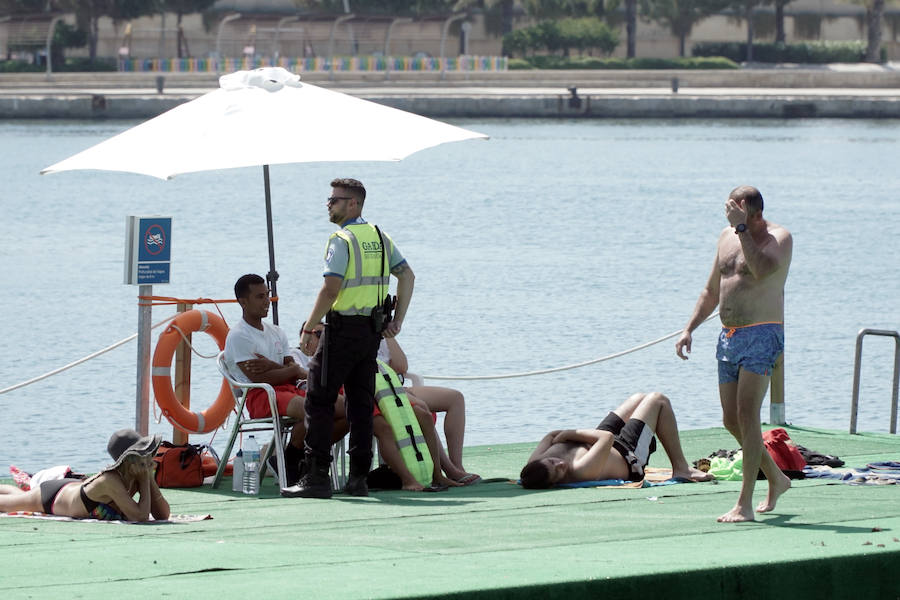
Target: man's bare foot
pixel 776 489
pixel 737 515
pixel 692 474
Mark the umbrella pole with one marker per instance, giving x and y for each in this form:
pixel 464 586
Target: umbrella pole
pixel 272 276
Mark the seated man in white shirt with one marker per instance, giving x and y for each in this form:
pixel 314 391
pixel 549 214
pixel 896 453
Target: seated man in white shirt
pixel 258 352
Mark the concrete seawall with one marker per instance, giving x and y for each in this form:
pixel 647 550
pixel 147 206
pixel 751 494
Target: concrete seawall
pixel 765 93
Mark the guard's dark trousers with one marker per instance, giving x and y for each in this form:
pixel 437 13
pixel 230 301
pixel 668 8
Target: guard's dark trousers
pixel 346 358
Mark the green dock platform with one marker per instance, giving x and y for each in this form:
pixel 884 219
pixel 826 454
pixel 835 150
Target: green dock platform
pixel 826 539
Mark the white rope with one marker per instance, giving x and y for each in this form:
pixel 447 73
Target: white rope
pixel 184 338
pixel 81 360
pixel 443 377
pixel 564 368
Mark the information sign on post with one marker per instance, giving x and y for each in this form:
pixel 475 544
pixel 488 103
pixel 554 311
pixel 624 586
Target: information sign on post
pixel 148 253
pixel 148 250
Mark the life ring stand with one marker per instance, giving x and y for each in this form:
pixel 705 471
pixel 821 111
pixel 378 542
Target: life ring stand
pixel 190 321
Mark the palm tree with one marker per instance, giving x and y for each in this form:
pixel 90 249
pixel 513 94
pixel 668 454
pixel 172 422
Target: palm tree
pixel 680 15
pixel 874 18
pixel 746 9
pixel 779 20
pixel 631 27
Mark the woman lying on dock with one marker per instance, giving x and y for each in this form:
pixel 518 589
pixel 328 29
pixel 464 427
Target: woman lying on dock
pixel 107 495
pixel 619 448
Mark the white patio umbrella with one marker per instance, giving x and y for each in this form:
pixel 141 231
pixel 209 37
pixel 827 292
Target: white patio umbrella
pixel 264 117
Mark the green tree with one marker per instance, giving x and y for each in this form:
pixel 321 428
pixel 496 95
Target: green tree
pixel 583 33
pixel 874 16
pixel 680 16
pixel 400 8
pixel 745 9
pixel 181 8
pixel 630 27
pixel 494 11
pixel 589 33
pixel 874 19
pixel 64 35
pixel 558 9
pixel 89 12
pixel 23 7
pixel 779 20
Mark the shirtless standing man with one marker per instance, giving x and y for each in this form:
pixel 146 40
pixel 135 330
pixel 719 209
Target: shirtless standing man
pixel 618 448
pixel 747 284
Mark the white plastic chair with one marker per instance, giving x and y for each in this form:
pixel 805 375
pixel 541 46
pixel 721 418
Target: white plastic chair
pixel 283 425
pixel 279 426
pixel 413 380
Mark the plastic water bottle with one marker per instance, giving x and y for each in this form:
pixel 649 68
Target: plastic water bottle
pixel 237 474
pixel 251 466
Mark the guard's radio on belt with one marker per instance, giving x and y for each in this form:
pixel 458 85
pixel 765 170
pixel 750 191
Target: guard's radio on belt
pixel 382 314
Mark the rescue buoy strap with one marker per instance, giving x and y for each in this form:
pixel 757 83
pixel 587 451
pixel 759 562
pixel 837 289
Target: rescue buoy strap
pixel 412 440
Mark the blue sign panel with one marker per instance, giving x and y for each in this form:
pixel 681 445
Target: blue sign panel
pixel 156 239
pixel 150 273
pixel 154 250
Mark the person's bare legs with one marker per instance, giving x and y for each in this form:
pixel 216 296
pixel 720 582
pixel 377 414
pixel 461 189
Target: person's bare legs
pixel 296 411
pixel 627 408
pixel 728 395
pixel 12 499
pixel 655 410
pixel 741 403
pixel 452 404
pixel 426 424
pixel 451 470
pixel 390 454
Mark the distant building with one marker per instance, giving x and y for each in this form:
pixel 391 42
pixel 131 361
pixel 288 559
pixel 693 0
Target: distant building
pixel 273 28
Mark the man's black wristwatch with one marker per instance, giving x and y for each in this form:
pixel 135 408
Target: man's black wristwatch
pixel 740 228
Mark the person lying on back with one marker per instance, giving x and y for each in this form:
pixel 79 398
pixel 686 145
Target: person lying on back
pixel 619 448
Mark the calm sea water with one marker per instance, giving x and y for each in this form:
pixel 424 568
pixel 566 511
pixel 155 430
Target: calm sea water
pixel 555 242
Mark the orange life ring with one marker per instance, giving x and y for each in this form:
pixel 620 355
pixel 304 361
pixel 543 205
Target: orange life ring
pixel 189 422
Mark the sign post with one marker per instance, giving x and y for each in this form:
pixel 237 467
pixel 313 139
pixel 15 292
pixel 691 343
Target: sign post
pixel 148 243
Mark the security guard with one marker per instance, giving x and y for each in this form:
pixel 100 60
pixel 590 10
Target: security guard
pixel 358 260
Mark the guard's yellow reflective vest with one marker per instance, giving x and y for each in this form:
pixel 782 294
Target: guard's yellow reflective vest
pixel 363 287
pixel 397 411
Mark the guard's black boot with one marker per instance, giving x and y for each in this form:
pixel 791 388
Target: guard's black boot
pixel 293 464
pixel 315 483
pixel 356 485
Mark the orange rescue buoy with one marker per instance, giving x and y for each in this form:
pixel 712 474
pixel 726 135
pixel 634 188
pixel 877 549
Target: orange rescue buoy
pixel 205 421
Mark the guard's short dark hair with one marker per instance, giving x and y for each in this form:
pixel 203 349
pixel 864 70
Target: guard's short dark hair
pixel 535 476
pixel 750 195
pixel 242 285
pixel 355 187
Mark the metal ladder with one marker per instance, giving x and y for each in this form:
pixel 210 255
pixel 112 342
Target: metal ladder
pixel 855 402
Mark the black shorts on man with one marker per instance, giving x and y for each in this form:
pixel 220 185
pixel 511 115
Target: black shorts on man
pixel 634 440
